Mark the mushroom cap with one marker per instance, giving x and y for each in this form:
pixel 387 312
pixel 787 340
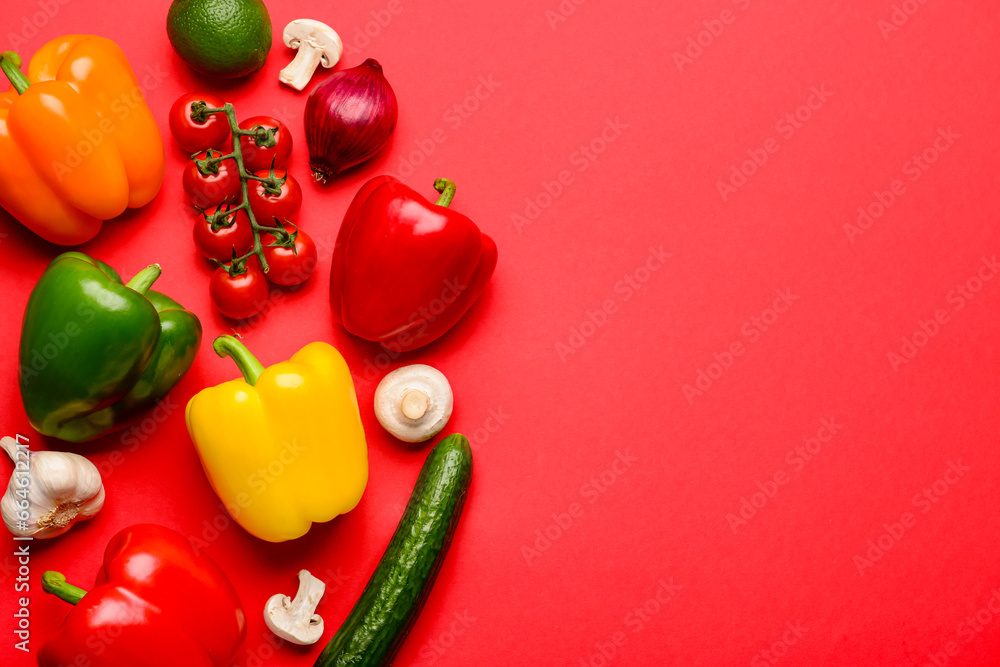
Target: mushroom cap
pixel 319 34
pixel 417 389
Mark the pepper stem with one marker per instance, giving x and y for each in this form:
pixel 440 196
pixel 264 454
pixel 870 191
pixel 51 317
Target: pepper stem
pixel 142 281
pixel 10 63
pixel 228 346
pixel 447 189
pixel 55 583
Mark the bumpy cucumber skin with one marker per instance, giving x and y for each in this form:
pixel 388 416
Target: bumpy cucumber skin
pixel 388 607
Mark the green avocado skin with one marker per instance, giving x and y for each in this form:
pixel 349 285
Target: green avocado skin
pixel 94 353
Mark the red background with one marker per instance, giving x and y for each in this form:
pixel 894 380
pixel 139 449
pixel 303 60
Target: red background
pixel 577 366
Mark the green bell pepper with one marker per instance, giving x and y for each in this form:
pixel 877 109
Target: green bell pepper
pixel 95 353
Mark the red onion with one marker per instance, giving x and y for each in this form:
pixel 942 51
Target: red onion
pixel 349 118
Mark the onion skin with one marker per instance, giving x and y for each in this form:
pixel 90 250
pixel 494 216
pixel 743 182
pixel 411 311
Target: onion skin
pixel 348 119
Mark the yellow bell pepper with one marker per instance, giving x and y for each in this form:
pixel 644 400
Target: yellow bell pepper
pixel 283 447
pixel 77 141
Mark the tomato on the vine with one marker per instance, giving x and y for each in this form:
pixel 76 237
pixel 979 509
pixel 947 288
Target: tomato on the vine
pixel 218 244
pixel 266 206
pixel 206 190
pixel 256 158
pixel 287 266
pixel 239 296
pixel 194 136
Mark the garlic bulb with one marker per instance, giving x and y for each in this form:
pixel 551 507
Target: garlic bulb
pixel 49 491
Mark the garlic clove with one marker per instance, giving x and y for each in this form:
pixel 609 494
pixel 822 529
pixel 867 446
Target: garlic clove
pixel 49 491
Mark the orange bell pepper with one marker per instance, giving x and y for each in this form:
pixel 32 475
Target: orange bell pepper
pixel 78 145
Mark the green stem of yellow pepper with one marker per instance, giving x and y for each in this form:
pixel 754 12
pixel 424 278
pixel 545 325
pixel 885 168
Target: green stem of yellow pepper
pixel 227 346
pixel 10 63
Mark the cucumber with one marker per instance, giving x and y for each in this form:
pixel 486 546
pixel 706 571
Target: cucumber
pixel 395 594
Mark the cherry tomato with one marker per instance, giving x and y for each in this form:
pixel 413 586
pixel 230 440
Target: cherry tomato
pixel 239 296
pixel 256 158
pixel 267 207
pixel 206 190
pixel 287 267
pixel 194 136
pixel 219 244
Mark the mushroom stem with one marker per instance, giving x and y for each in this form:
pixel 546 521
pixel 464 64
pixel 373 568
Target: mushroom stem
pixel 300 70
pixel 307 597
pixel 295 619
pixel 414 404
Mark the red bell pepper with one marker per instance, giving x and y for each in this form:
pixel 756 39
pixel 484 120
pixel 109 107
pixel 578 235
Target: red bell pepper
pixel 157 602
pixel 405 270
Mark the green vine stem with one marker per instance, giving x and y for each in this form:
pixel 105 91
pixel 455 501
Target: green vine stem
pixel 225 216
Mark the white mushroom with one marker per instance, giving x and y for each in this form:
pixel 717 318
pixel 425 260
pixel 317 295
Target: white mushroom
pixel 316 43
pixel 296 620
pixel 414 402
